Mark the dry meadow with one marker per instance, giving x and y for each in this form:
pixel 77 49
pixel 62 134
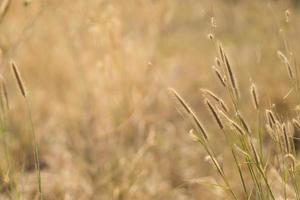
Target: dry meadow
pixel 149 99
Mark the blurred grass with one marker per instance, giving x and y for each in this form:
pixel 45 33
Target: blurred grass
pixel 96 99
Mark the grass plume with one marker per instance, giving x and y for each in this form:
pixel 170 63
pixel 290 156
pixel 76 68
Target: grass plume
pixel 21 86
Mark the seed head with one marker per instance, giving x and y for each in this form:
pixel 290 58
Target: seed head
pixel 18 78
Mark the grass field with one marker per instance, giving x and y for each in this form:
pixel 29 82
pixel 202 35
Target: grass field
pixel 90 93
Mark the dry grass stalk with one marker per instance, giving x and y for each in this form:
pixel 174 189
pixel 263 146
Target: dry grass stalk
pixel 272 133
pixel 34 138
pixel 279 127
pixel 271 118
pixel 243 122
pixel 211 94
pixel 221 52
pixel 290 129
pixel 214 113
pixel 254 96
pixel 214 162
pixel 238 128
pixel 2 97
pixel 232 123
pixel 18 78
pixel 292 160
pixel 285 60
pixel 190 113
pixel 218 62
pixel 224 106
pixel 288 93
pixel 216 98
pixel 219 75
pixel 286 138
pixel 296 124
pixel 256 156
pixel 4 93
pixel 4 7
pixel 241 152
pixel 231 77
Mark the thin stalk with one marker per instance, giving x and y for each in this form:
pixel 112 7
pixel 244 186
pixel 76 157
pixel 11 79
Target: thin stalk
pixel 295 184
pixel 36 150
pixel 240 173
pixel 236 162
pixel 6 154
pixel 221 172
pixel 249 165
pixel 261 171
pixel 260 135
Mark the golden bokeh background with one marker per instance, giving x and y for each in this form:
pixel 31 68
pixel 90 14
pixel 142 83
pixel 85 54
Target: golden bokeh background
pixel 97 73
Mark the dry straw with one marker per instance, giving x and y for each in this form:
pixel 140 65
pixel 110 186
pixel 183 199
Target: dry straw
pixel 292 160
pixel 232 123
pixel 221 52
pixel 218 62
pixel 219 75
pixel 285 60
pixel 211 94
pixel 296 124
pixel 271 118
pixel 190 112
pixel 231 77
pixel 35 141
pixel 271 133
pixel 18 78
pixel 3 96
pixel 243 122
pixel 4 5
pixel 216 98
pixel 254 96
pixel 286 138
pixel 279 127
pixel 4 93
pixel 214 113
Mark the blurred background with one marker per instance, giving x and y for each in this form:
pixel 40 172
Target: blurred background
pixel 97 73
